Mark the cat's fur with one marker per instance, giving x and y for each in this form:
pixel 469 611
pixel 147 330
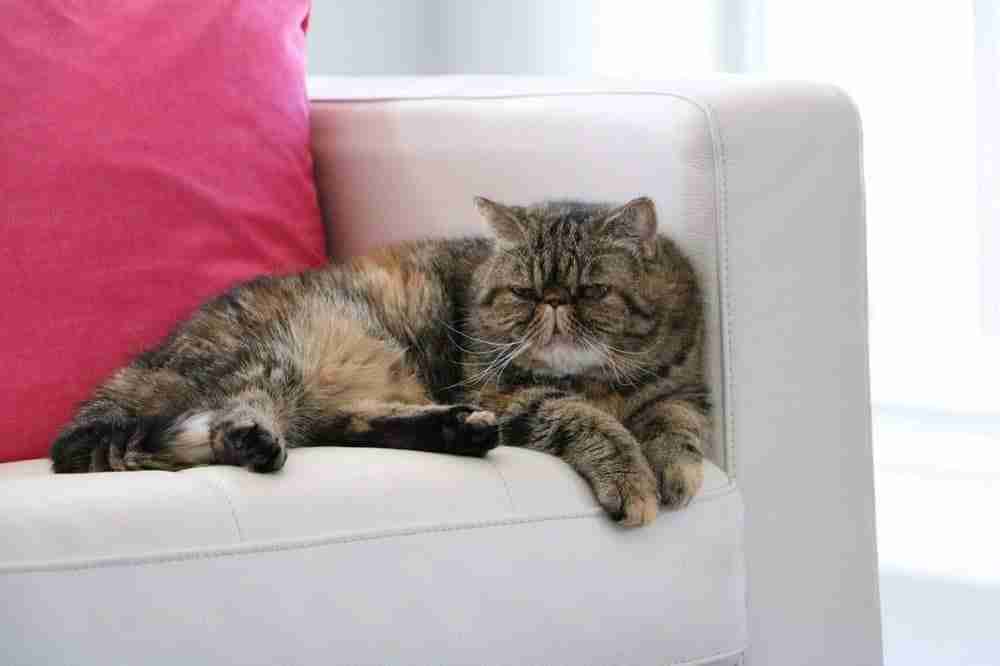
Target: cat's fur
pixel 576 331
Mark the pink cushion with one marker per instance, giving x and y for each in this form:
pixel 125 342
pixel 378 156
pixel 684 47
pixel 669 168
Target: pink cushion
pixel 151 155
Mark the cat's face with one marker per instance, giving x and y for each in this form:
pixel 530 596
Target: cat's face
pixel 565 292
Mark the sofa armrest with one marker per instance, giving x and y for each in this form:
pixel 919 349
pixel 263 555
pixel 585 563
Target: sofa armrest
pixel 798 405
pixel 760 183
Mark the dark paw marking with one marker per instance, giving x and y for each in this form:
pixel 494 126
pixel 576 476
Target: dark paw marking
pixel 253 446
pixel 469 431
pixel 96 447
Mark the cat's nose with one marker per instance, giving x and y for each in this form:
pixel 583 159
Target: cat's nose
pixel 555 296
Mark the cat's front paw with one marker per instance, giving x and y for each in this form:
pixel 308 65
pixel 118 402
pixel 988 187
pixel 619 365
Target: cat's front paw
pixel 677 464
pixel 469 430
pixel 680 481
pixel 630 497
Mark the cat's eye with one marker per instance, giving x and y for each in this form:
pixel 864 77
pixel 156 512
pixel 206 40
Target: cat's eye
pixel 526 293
pixel 595 291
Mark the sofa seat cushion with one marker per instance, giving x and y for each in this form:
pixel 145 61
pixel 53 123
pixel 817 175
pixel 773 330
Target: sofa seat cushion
pixel 380 555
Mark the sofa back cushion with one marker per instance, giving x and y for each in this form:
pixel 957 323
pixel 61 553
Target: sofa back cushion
pixel 152 154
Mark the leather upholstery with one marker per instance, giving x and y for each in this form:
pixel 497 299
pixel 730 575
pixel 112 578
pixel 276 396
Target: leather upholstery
pixel 368 556
pixel 360 556
pixel 761 183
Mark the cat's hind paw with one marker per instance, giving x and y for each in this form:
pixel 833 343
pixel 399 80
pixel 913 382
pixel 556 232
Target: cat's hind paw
pixel 249 444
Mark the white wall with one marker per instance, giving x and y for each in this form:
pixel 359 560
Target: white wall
pixel 643 38
pixel 516 36
pixel 373 37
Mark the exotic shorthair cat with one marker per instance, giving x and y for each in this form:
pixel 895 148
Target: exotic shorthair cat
pixel 577 331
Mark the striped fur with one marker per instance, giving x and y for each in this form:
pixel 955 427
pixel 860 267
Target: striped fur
pixel 576 330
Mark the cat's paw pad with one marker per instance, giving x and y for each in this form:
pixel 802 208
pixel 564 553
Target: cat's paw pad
pixel 679 482
pixel 251 445
pixel 469 430
pixel 630 498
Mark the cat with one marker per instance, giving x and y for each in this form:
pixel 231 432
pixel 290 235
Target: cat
pixel 576 330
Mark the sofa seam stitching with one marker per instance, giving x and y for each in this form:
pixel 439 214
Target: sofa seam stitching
pixel 503 480
pixel 243 549
pixel 219 490
pixel 719 160
pixel 725 293
pixel 303 544
pixel 698 661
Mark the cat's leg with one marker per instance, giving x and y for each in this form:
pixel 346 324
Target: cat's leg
pixel 246 431
pixel 673 426
pixel 146 418
pixel 120 427
pixel 591 441
pixel 455 429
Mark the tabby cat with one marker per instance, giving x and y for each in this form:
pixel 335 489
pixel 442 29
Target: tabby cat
pixel 576 330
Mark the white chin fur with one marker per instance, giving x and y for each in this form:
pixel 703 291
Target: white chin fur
pixel 562 359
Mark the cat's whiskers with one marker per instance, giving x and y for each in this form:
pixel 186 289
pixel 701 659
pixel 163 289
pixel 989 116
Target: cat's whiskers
pixel 609 361
pixel 530 339
pixel 499 352
pixel 494 369
pixel 623 352
pixel 631 368
pixel 625 369
pixel 488 343
pixel 577 329
pixel 483 375
pixel 466 350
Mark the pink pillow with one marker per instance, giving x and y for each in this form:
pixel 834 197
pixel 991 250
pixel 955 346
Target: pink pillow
pixel 152 154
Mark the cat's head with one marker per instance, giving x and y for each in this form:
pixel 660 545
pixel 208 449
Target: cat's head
pixel 580 289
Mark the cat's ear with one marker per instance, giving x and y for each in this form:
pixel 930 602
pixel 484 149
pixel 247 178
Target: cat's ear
pixel 502 219
pixel 634 224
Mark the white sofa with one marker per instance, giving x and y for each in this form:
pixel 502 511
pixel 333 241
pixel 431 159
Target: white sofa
pixel 364 556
